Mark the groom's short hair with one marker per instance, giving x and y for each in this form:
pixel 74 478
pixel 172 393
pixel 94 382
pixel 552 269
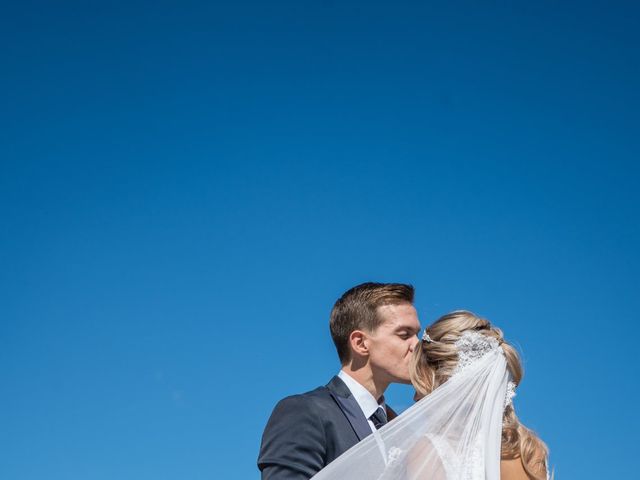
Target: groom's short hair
pixel 357 309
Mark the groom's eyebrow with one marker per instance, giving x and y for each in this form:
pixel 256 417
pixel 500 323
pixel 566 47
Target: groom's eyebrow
pixel 407 328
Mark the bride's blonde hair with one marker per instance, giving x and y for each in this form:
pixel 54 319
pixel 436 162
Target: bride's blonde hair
pixel 434 362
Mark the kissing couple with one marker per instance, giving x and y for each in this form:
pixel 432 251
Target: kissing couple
pixel 463 425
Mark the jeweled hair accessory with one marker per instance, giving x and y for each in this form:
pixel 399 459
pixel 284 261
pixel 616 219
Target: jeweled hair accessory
pixel 472 346
pixel 426 337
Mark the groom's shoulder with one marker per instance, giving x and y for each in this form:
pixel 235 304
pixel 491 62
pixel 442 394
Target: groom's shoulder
pixel 295 435
pixel 313 398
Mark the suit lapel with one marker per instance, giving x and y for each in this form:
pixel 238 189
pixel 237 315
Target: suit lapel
pixel 342 395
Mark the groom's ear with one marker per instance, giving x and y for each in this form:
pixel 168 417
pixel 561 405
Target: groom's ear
pixel 359 343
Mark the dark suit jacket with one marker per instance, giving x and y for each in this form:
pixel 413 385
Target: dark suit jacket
pixel 308 431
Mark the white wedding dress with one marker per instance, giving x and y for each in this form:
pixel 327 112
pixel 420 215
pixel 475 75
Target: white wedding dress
pixel 451 463
pixel 452 434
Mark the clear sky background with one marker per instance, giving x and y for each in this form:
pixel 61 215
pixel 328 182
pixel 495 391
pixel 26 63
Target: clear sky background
pixel 187 187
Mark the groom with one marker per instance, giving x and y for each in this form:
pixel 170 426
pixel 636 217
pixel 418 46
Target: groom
pixel 374 327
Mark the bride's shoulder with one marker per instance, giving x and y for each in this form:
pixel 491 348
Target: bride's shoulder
pixel 426 448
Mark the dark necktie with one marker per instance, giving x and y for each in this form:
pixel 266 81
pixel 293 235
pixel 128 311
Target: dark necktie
pixel 379 418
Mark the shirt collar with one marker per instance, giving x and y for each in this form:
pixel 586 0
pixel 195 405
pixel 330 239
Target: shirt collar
pixel 368 404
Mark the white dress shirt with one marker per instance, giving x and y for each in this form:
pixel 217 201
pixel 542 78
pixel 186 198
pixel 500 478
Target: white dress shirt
pixel 368 404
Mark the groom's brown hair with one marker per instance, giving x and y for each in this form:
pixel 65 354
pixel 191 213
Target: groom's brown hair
pixel 357 309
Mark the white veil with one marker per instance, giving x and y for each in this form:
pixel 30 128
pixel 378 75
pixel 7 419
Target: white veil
pixel 453 433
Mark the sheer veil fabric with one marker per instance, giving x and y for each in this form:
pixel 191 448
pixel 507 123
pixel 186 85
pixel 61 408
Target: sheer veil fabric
pixel 452 434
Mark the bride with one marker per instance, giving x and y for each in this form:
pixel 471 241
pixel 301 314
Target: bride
pixel 464 425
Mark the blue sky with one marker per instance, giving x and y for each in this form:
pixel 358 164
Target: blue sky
pixel 187 188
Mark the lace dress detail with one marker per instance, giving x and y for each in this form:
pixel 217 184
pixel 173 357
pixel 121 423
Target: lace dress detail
pixel 471 468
